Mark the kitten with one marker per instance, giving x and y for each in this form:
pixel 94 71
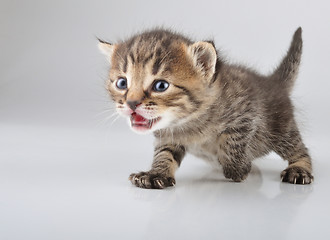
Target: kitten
pixel 195 102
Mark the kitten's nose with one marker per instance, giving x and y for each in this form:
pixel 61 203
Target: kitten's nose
pixel 133 104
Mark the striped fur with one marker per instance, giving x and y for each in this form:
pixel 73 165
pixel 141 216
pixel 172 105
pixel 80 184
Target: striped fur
pixel 226 114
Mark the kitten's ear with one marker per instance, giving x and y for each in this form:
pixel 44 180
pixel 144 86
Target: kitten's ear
pixel 106 48
pixel 204 57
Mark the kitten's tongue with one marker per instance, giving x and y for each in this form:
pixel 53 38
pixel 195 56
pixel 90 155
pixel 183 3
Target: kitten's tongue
pixel 140 123
pixel 137 119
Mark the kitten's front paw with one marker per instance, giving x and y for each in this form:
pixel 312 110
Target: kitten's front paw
pixel 151 180
pixel 296 175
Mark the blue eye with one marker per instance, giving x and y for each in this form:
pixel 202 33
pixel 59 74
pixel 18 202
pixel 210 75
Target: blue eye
pixel 160 86
pixel 121 83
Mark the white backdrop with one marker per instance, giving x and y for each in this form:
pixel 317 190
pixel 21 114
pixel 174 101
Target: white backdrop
pixel 64 166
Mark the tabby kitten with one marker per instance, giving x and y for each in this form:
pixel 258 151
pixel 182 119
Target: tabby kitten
pixel 195 102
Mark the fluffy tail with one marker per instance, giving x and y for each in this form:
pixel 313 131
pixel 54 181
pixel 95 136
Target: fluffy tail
pixel 286 73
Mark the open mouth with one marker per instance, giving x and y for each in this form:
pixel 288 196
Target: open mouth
pixel 140 123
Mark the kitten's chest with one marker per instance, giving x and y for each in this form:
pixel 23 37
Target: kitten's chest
pixel 206 151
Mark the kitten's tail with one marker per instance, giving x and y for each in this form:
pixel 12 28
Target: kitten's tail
pixel 286 73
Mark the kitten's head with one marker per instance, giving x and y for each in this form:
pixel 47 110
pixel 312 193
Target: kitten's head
pixel 159 79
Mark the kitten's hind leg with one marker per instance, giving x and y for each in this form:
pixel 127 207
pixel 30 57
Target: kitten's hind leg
pixel 291 148
pixel 167 158
pixel 233 153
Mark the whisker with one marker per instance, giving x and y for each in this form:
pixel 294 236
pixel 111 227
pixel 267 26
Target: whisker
pixel 115 119
pixel 105 120
pixel 105 112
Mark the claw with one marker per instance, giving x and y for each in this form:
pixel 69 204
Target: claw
pixel 295 181
pixel 159 183
pixel 136 179
pixel 303 181
pixel 282 178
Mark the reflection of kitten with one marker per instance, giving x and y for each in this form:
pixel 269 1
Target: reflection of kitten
pixel 193 101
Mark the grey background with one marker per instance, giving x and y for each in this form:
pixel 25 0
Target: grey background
pixel 52 73
pixel 64 164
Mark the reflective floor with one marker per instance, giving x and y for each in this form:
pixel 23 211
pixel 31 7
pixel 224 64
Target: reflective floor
pixel 58 183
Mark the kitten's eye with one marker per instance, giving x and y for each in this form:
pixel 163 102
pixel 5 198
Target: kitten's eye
pixel 160 86
pixel 121 83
